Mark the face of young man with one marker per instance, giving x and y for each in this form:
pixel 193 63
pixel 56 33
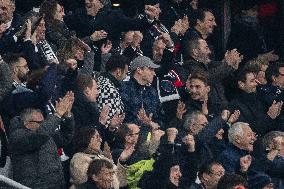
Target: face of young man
pixel 105 178
pixel 198 89
pixel 208 24
pixel 202 53
pixel 250 84
pixel 92 93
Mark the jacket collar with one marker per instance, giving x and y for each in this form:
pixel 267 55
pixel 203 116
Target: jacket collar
pixel 115 82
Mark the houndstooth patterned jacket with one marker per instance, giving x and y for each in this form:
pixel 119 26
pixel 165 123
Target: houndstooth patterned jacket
pixel 109 95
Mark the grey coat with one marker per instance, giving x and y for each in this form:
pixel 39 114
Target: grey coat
pixel 35 161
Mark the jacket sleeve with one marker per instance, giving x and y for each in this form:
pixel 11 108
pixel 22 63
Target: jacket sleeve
pixel 220 72
pixel 64 135
pixel 209 131
pixel 5 80
pixel 88 64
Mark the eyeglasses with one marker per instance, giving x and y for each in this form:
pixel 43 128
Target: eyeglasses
pixel 133 134
pixel 39 122
pixel 24 66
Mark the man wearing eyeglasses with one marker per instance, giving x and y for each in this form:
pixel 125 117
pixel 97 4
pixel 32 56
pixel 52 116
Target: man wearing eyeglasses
pixel 34 142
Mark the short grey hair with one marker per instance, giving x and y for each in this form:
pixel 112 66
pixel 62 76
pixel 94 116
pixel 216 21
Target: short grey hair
pixel 26 115
pixel 190 118
pixel 236 130
pixel 267 140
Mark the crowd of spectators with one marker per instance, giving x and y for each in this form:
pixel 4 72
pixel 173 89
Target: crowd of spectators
pixel 131 95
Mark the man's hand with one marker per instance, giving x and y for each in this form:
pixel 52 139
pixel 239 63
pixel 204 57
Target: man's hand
pixel 152 12
pixel 116 120
pixel 270 56
pixel 70 98
pixel 205 107
pixel 234 117
pixel 104 115
pixel 98 35
pixel 71 63
pixel 167 40
pixel 190 142
pixel 157 134
pixel 142 116
pixel 28 33
pixel 184 25
pixel 245 163
pixel 137 38
pixel 3 28
pixel 2 124
pixel 275 109
pixel 180 110
pixel 106 47
pixel 64 104
pixel 107 151
pixel 127 152
pixel 233 58
pixel 172 134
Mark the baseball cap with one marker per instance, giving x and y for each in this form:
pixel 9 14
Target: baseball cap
pixel 142 61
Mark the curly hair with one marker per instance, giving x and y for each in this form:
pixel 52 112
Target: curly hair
pixel 83 138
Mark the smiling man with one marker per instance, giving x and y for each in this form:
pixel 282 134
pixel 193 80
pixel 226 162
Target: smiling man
pixel 236 158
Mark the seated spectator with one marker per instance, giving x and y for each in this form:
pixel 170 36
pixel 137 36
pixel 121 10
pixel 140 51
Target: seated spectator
pixel 100 175
pixel 34 142
pixel 253 111
pixel 209 176
pixel 236 157
pixel 232 181
pixel 87 147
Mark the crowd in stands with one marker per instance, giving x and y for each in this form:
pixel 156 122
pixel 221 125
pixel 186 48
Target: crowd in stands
pixel 103 94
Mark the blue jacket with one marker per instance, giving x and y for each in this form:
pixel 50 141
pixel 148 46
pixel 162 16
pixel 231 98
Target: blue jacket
pixel 230 159
pixel 135 97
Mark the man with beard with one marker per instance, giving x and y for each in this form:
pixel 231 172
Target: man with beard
pixel 21 96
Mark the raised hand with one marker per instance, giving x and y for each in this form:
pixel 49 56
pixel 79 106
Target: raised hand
pixel 107 151
pixel 28 33
pixel 106 47
pixel 180 110
pixel 172 134
pixel 116 120
pixel 104 115
pixel 190 142
pixel 137 38
pixel 142 116
pixel 205 107
pixel 2 124
pixel 127 152
pixel 64 105
pixel 71 63
pixel 157 134
pixel 245 162
pixel 275 109
pixel 98 35
pixel 234 117
pixel 233 58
